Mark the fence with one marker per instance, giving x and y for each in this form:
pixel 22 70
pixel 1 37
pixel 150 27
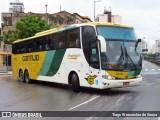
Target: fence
pixel 155 58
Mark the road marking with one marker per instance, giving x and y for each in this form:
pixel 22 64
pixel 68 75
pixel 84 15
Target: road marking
pixel 159 118
pixel 158 69
pixel 146 69
pixel 84 103
pixel 152 69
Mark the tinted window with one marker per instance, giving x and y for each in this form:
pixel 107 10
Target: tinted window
pixel 73 38
pixel 61 40
pixel 90 46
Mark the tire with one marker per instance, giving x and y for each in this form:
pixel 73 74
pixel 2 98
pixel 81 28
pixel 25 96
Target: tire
pixel 21 76
pixel 26 77
pixel 75 83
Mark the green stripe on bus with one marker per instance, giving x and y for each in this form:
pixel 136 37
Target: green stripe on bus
pixel 52 62
pixel 47 62
pixel 134 73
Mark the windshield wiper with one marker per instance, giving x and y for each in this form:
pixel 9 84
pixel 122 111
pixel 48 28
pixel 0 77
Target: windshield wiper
pixel 127 56
pixel 121 56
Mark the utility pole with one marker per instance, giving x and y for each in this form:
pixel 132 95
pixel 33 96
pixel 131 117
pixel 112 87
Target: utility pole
pixel 46 7
pixel 95 9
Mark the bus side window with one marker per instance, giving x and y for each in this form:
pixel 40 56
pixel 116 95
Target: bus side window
pixel 73 40
pixel 46 43
pixel 41 44
pixel 23 47
pixel 30 46
pixel 62 40
pixel 34 45
pixel 52 38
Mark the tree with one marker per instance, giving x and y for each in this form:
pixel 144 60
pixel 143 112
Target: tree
pixel 26 27
pixel 10 36
pixel 29 26
pixel 1 38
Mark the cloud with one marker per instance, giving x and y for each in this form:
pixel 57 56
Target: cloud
pixel 143 15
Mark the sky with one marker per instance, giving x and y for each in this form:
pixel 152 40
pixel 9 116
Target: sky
pixel 143 15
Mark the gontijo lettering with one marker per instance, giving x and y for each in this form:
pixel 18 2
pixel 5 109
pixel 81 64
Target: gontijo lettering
pixel 30 58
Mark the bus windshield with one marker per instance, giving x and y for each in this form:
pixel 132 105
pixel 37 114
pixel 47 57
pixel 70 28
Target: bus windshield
pixel 123 49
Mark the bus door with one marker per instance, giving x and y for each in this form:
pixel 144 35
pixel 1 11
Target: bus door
pixel 94 68
pixel 90 50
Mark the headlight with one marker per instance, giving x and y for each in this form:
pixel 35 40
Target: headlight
pixel 108 77
pixel 105 76
pixel 139 76
pixel 111 78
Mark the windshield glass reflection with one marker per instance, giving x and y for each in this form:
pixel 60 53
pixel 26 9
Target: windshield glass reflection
pixel 123 50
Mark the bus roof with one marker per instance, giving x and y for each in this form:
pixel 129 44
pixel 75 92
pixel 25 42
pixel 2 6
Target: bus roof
pixel 54 30
pixel 108 24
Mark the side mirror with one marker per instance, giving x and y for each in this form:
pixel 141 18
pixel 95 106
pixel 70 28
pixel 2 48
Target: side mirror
pixel 139 40
pixel 102 44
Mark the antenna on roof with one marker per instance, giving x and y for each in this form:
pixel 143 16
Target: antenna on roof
pixel 104 8
pixel 110 8
pixel 60 8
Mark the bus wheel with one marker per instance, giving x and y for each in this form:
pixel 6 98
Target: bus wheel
pixel 75 83
pixel 21 77
pixel 26 77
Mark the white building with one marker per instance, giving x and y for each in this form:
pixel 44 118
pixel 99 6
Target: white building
pixel 102 18
pixel 148 47
pixel 16 7
pixel 108 17
pixel 116 19
pixel 157 46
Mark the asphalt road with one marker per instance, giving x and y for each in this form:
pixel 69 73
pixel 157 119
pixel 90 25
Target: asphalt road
pixel 43 96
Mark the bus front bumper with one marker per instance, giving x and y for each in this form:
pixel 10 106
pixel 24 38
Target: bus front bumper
pixel 121 83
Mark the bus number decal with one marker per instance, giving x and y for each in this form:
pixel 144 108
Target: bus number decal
pixel 30 58
pixel 90 79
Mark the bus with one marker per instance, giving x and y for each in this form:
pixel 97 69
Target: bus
pixel 96 55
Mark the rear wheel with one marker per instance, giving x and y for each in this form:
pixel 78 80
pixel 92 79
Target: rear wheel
pixel 21 77
pixel 75 83
pixel 26 77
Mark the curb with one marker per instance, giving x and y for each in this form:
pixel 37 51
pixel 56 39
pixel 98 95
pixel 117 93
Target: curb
pixel 6 73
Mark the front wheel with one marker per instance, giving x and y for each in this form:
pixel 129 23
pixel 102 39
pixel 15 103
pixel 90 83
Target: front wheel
pixel 75 83
pixel 26 77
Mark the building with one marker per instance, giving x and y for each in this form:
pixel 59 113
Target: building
pixel 148 47
pixel 5 54
pixel 108 17
pixel 16 12
pixel 116 19
pixel 16 7
pixel 157 46
pixel 62 18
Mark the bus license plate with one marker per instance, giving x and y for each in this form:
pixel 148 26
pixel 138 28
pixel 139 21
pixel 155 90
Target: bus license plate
pixel 125 83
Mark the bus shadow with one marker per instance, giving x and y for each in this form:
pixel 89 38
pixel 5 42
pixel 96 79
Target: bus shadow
pixel 108 92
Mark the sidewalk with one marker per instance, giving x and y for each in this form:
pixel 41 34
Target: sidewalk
pixel 5 73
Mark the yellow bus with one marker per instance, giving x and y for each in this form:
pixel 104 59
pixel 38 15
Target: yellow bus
pixel 96 55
